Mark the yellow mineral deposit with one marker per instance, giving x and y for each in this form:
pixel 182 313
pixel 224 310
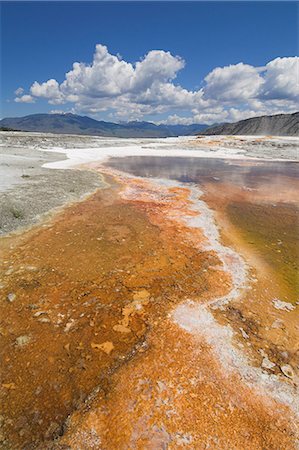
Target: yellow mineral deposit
pixel 106 347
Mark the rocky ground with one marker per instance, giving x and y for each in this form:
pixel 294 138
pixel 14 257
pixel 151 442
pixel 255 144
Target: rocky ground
pixel 28 191
pixel 260 147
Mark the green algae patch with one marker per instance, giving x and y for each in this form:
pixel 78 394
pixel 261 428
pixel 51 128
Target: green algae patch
pixel 272 230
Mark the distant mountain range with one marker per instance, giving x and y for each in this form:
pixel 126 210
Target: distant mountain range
pixel 278 125
pixel 73 124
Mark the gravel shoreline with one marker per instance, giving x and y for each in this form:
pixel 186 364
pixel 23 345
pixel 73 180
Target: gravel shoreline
pixel 29 191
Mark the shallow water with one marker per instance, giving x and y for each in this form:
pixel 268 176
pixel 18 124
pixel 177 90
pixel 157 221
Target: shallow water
pixel 260 199
pixel 244 173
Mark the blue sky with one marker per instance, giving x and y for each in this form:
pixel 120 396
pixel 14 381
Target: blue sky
pixel 42 40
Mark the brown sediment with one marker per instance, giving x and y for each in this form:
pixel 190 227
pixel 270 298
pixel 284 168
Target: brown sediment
pixel 162 399
pixel 79 297
pixel 88 333
pixel 175 396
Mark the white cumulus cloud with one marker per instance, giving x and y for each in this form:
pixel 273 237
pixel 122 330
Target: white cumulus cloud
pixel 25 99
pixel 19 91
pixel 126 91
pixel 282 79
pixel 233 83
pixel 49 90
